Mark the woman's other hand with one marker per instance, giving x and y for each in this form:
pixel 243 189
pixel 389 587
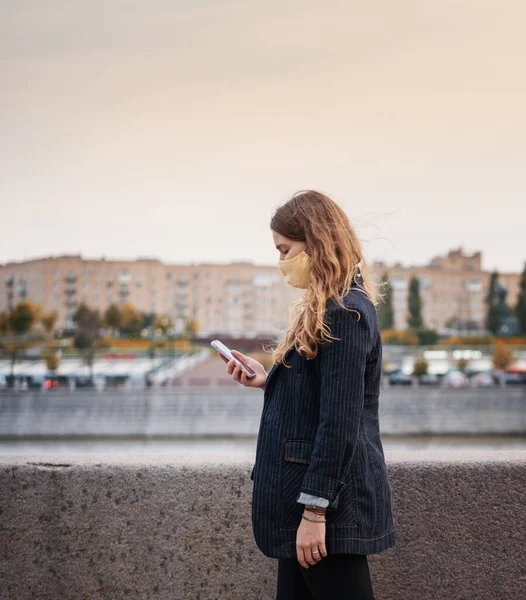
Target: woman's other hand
pixel 238 373
pixel 310 537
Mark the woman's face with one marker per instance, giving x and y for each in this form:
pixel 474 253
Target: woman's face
pixel 287 248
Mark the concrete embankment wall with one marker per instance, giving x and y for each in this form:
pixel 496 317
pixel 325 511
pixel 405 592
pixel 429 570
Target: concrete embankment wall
pixel 128 526
pixel 236 411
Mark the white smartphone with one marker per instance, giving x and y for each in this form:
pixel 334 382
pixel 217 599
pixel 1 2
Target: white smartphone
pixel 225 351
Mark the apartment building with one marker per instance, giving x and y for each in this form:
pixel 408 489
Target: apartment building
pixel 452 287
pixel 236 298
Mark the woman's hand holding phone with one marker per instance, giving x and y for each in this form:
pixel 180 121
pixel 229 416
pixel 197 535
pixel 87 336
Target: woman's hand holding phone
pixel 238 373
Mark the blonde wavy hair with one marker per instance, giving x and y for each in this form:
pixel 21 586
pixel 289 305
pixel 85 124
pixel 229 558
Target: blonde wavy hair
pixel 336 255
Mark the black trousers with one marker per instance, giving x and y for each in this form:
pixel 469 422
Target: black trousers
pixel 335 577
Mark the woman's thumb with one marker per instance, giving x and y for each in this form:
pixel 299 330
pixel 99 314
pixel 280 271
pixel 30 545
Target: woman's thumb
pixel 234 352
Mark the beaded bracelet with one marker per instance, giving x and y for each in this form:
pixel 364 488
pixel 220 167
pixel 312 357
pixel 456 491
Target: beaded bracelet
pixel 313 520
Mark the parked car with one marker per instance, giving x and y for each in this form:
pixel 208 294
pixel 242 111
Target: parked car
pixel 483 379
pixel 456 379
pixel 53 382
pixel 400 378
pixel 514 378
pixel 429 379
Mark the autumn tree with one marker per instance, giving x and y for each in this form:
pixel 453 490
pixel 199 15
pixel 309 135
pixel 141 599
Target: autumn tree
pixel 420 367
pixel 51 359
pixel 502 356
pixel 48 321
pixel 131 320
pixel 4 324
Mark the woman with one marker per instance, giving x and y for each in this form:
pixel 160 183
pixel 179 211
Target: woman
pixel 321 496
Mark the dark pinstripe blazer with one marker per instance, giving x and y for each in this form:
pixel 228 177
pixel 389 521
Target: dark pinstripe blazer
pixel 319 433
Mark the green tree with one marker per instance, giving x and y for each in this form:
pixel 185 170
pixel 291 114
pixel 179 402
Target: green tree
pixel 520 307
pixel 414 304
pixel 148 319
pixel 112 318
pixel 88 324
pixel 21 318
pixel 385 309
pixel 19 322
pixel 492 313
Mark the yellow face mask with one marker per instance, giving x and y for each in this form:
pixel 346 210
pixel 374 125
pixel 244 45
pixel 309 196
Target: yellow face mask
pixel 296 270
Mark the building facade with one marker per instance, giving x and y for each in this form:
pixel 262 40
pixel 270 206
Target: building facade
pixel 453 289
pixel 236 298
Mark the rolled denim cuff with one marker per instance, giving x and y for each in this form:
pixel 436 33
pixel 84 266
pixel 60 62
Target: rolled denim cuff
pixel 305 498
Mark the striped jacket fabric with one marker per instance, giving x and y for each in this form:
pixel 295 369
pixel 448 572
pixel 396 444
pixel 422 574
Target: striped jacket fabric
pixel 319 436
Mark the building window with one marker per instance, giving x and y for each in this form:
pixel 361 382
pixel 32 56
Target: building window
pixel 474 285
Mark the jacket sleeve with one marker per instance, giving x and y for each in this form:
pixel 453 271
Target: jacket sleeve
pixel 342 365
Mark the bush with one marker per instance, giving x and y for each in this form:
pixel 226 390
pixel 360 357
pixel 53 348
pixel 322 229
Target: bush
pixel 462 364
pixel 399 337
pixel 513 341
pixel 468 340
pixel 420 367
pixel 502 356
pixel 426 337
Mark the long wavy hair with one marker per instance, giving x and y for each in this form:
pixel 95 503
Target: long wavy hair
pixel 336 257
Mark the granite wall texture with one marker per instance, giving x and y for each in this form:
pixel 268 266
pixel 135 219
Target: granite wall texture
pixel 85 527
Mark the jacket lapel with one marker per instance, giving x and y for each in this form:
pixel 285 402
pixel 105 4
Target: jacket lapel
pixel 275 367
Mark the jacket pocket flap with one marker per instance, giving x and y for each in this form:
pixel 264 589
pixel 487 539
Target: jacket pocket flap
pixel 299 450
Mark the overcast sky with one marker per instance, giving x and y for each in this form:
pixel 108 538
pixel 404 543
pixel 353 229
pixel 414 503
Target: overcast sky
pixel 174 129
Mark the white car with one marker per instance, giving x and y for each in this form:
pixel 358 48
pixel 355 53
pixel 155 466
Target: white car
pixel 483 379
pixel 456 379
